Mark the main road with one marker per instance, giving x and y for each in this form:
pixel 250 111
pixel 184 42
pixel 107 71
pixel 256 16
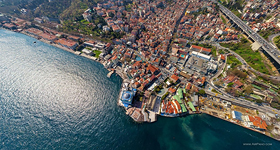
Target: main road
pixel 247 65
pixel 266 46
pixel 244 103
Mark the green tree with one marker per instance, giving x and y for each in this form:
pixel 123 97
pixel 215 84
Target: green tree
pixel 218 83
pixel 248 90
pixel 228 89
pixel 259 101
pixel 230 84
pixel 201 92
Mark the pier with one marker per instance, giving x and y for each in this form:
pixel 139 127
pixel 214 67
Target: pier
pixel 110 73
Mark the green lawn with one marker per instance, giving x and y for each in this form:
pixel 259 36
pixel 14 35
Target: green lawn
pixel 277 41
pixel 215 91
pixel 97 53
pixel 268 32
pixel 84 22
pixel 224 20
pixel 243 49
pixel 233 61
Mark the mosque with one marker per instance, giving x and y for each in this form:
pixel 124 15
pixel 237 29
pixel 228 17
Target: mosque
pixel 127 97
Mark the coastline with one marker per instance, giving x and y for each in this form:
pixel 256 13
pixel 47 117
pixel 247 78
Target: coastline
pixel 59 46
pixel 117 72
pixel 240 125
pixel 124 80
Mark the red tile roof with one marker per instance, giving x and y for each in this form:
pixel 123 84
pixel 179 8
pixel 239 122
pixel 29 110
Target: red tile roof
pixel 258 122
pixel 68 43
pixel 48 36
pixel 238 83
pixel 175 78
pixel 188 87
pixel 171 90
pixel 203 80
pixel 152 68
pixel 137 64
pixel 206 50
pixel 223 57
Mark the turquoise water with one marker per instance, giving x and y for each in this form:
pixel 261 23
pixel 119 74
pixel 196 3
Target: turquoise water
pixel 53 99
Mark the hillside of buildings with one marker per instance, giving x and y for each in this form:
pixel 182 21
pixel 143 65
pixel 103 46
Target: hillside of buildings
pixel 56 9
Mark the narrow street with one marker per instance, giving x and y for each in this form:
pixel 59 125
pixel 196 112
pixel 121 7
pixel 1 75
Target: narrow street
pixel 175 29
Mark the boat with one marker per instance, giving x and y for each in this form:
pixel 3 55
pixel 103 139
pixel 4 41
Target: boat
pixel 34 42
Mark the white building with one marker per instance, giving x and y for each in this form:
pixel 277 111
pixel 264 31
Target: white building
pixel 200 55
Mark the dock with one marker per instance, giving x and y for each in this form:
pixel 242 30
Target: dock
pixel 110 73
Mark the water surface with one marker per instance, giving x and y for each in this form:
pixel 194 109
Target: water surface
pixel 53 99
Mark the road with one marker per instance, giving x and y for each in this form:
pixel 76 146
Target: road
pixel 247 65
pixel 271 37
pixel 234 100
pixel 266 46
pixel 245 103
pixel 221 69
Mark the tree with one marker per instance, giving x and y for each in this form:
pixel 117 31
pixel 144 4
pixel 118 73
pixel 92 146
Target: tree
pixel 201 92
pixel 228 89
pixel 111 15
pixel 243 40
pixel 230 84
pixel 248 90
pixel 259 101
pixel 236 93
pixel 164 96
pixel 218 83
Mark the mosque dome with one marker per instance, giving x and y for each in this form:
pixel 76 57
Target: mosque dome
pixel 126 96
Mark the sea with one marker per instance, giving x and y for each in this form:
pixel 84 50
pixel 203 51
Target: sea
pixel 54 99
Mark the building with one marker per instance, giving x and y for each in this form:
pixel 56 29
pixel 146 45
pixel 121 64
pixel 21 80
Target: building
pixel 39 20
pixel 261 84
pixel 195 100
pixel 200 55
pixel 196 64
pixel 87 52
pixel 106 28
pixel 222 58
pixel 258 123
pixel 87 16
pixel 67 43
pixel 89 43
pixel 9 26
pixel 200 49
pixel 174 78
pixel 127 97
pixel 47 36
pixel 74 38
pixel 237 115
pixel 33 31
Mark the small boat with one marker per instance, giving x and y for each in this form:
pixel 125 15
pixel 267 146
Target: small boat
pixel 34 42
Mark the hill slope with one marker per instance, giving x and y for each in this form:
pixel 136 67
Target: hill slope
pixel 60 9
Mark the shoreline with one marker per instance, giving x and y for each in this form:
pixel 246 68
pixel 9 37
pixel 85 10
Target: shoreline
pixel 119 73
pixel 263 133
pixel 59 46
